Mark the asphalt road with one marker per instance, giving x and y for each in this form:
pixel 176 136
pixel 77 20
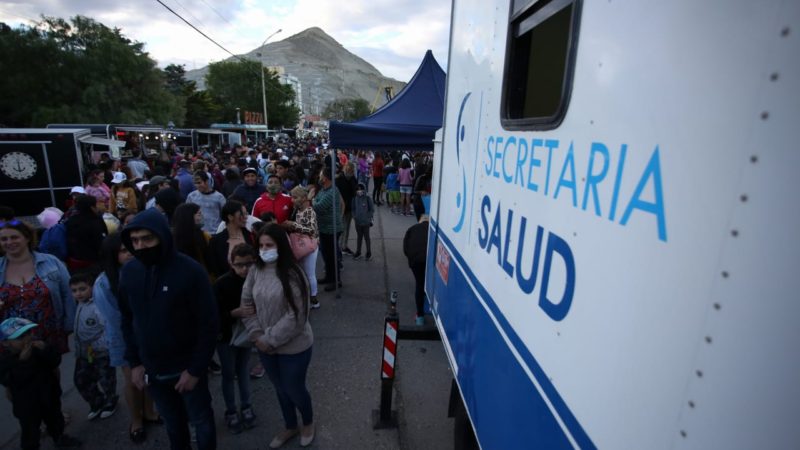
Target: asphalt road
pixel 343 377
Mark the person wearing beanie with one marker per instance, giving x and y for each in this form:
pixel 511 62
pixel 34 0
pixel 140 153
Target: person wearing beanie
pixel 166 202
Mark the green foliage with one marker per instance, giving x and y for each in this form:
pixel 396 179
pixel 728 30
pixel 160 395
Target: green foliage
pixel 80 72
pixel 201 110
pixel 346 109
pixel 237 84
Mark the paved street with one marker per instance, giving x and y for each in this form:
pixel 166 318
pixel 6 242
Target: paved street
pixel 343 376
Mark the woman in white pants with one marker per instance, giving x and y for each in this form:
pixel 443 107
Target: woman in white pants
pixel 304 220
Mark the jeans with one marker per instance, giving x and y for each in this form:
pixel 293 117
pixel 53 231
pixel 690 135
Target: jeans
pixel 234 362
pixel 178 410
pixel 288 375
pixel 309 265
pixel 327 244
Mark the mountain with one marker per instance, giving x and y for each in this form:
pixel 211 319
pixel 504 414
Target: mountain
pixel 326 70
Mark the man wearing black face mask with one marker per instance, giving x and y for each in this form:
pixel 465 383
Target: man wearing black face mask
pixel 170 325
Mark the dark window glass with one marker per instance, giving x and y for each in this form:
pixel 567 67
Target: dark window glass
pixel 538 64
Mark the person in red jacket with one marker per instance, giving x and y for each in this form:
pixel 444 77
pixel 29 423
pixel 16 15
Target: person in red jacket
pixel 273 201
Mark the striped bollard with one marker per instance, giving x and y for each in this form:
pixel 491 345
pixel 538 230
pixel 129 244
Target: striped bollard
pixel 385 417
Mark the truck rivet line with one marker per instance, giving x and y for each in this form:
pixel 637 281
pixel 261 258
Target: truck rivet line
pixel 765 115
pixel 773 76
pixel 717 306
pixel 735 233
pixel 708 339
pixel 785 32
pixel 691 404
pixel 725 274
pixel 683 433
pixel 743 198
pixel 699 374
pixel 754 159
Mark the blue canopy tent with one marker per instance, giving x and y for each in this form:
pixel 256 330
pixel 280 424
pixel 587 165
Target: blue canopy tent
pixel 407 122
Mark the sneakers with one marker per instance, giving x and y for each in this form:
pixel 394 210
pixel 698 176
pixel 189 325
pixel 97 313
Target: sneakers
pixel 108 411
pixel 214 367
pixel 282 438
pixel 234 424
pixel 93 414
pixel 248 418
pixel 257 371
pixel 347 251
pixel 314 302
pixel 357 256
pixel 419 321
pixel 306 435
pixel 368 257
pixel 67 441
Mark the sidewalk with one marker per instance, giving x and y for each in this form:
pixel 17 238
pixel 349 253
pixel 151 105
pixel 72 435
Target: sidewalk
pixel 343 377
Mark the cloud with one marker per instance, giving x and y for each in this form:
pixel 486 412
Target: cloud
pixel 392 35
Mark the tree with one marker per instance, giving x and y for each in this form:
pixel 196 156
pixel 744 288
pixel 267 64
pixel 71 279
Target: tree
pixel 81 72
pixel 346 109
pixel 201 110
pixel 237 84
pixel 176 81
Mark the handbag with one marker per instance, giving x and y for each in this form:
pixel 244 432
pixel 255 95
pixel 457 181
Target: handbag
pixel 239 336
pixel 302 244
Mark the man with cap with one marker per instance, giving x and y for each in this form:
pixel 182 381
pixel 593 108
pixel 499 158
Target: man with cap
pixel 170 326
pixel 29 370
pixel 185 178
pixel 251 189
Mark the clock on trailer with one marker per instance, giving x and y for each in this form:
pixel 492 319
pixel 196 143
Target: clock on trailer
pixel 18 166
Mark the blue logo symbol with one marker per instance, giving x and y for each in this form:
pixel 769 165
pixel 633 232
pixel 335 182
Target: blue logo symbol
pixel 461 197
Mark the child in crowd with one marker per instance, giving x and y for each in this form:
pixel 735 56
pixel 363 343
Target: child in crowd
pixel 234 356
pixel 362 209
pixel 393 192
pixel 29 371
pixel 95 378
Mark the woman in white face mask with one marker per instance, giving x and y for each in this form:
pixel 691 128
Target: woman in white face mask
pixel 278 289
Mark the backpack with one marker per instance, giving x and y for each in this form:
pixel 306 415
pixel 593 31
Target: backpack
pixel 54 241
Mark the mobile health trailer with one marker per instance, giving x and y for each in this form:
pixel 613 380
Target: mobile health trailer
pixel 613 253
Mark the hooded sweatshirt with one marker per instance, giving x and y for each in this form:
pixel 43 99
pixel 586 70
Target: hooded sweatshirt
pixel 169 316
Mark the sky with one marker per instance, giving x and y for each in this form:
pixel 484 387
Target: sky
pixel 392 35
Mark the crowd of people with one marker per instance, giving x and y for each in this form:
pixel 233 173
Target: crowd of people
pixel 163 267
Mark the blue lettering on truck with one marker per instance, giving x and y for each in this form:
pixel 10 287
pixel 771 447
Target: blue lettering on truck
pixel 496 237
pixel 518 162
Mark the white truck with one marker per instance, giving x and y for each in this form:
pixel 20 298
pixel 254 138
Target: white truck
pixel 613 258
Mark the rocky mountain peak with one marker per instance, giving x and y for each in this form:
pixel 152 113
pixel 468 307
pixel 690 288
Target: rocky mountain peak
pixel 327 71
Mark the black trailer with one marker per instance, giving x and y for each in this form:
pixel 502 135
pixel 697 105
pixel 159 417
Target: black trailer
pixel 39 166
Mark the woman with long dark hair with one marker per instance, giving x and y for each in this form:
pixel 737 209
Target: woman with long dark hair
pixel 235 232
pixel 190 239
pixel 278 289
pixel 114 255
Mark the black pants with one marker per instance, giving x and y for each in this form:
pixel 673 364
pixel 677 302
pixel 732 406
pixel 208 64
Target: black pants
pixel 329 248
pixel 362 233
pixel 33 408
pixel 419 289
pixel 376 191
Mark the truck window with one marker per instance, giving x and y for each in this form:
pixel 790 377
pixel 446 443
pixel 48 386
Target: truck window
pixel 540 58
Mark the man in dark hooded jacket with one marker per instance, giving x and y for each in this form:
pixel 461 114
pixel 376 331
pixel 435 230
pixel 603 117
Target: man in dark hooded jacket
pixel 170 325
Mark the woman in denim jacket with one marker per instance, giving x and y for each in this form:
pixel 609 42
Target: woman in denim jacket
pixel 34 286
pixel 114 255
